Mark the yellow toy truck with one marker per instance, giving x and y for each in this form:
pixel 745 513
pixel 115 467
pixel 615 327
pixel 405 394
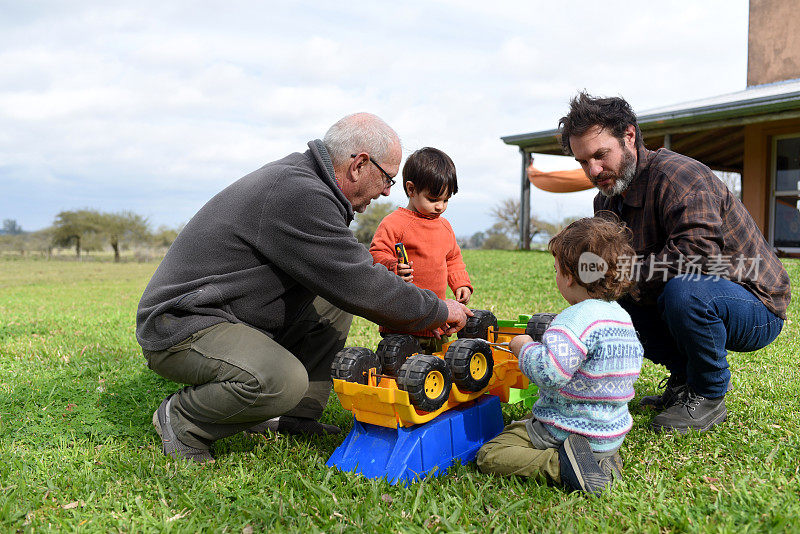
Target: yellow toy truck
pixel 400 386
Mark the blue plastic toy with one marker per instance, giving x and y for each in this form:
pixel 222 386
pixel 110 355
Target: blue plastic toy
pixel 408 454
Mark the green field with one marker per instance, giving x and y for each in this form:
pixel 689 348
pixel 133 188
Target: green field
pixel 78 451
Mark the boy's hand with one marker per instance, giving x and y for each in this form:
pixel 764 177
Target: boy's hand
pixel 463 294
pixel 516 344
pixel 406 271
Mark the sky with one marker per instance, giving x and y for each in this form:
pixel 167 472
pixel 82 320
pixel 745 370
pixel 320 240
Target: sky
pixel 154 107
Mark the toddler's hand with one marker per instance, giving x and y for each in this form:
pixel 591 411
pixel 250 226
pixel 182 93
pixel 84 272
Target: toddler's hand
pixel 516 344
pixel 463 294
pixel 406 271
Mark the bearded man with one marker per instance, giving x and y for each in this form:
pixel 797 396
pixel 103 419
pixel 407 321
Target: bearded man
pixel 707 280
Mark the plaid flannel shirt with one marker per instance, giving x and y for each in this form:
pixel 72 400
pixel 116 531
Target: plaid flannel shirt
pixel 684 220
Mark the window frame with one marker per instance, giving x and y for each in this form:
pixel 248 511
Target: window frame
pixel 774 193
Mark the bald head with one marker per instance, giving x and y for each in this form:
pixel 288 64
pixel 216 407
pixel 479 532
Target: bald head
pixel 356 133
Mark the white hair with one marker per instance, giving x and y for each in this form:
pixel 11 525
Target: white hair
pixel 359 132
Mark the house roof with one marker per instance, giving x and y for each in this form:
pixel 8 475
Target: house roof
pixel 756 99
pixel 709 129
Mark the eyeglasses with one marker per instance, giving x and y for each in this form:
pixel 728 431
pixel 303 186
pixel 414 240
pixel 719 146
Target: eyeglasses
pixel 389 180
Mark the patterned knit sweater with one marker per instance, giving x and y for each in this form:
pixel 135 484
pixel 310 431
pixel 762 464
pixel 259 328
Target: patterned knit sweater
pixel 430 243
pixel 585 368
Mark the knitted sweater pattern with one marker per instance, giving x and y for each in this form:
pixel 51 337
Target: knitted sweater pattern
pixel 430 244
pixel 585 367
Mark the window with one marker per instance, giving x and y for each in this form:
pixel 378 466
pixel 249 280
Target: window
pixel 785 203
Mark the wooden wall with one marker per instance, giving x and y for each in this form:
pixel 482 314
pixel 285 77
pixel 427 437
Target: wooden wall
pixel 773 43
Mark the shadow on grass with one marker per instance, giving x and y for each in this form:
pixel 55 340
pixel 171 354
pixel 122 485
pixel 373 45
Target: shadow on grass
pixel 128 405
pixel 73 403
pixel 324 445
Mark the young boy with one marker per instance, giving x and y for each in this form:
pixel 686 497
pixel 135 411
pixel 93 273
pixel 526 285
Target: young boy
pixel 585 367
pixel 429 179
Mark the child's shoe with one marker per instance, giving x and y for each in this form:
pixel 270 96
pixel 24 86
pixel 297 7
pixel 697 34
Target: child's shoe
pixel 612 466
pixel 579 469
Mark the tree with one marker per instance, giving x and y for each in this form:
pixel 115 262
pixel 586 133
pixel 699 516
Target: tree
pixel 41 241
pixel 496 239
pixel 506 214
pixel 474 241
pixel 164 235
pixel 566 221
pixel 10 227
pixel 77 227
pixel 367 222
pixel 123 227
pixel 12 243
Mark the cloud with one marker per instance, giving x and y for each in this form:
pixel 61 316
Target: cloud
pixel 155 107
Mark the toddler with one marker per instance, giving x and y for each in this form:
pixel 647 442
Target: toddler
pixel 429 180
pixel 585 366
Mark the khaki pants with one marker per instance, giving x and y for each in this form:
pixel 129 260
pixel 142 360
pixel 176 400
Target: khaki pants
pixel 513 453
pixel 238 376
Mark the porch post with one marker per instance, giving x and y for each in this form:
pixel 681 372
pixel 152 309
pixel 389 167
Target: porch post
pixel 525 203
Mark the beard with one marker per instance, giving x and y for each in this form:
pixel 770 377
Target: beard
pixel 620 179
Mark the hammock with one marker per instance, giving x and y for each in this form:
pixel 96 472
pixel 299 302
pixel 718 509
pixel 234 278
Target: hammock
pixel 559 181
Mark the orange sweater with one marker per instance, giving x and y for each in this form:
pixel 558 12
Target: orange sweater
pixel 430 244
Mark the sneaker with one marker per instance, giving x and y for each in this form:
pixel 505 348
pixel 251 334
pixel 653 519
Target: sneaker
pixel 612 466
pixel 673 388
pixel 294 425
pixel 170 444
pixel 691 412
pixel 579 469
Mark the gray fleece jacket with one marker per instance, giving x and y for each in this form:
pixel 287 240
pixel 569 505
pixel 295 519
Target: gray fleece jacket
pixel 263 248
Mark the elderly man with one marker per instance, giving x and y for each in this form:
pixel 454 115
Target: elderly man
pixel 708 280
pixel 254 298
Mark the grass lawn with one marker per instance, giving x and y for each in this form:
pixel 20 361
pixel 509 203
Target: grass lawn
pixel 78 451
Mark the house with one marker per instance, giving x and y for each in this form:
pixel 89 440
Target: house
pixel 754 132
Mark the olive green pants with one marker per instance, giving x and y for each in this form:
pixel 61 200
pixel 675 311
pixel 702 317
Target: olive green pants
pixel 513 452
pixel 238 376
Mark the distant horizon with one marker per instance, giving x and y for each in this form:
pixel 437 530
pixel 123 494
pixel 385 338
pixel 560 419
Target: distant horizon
pixel 180 225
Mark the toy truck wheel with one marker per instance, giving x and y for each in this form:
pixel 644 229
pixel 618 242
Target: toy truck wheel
pixel 471 362
pixel 478 325
pixel 353 364
pixel 394 350
pixel 538 323
pixel 427 380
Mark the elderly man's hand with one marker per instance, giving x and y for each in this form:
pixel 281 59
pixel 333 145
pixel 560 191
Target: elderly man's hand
pixel 457 315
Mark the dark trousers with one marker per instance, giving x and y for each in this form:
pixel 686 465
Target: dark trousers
pixel 238 376
pixel 696 321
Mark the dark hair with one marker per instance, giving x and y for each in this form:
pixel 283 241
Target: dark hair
pixel 586 111
pixel 430 169
pixel 608 239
